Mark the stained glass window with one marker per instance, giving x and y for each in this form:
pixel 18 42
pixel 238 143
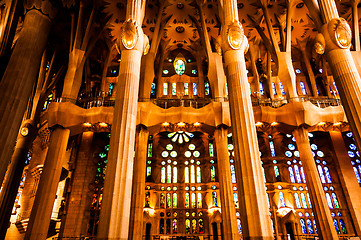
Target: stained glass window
pixel 233 174
pixel 303 198
pixel 199 200
pixel 315 226
pixel 239 226
pixel 213 174
pixel 328 176
pixel 211 153
pixel 303 175
pixel 179 66
pixel 309 226
pixel 194 89
pixel 273 152
pixel 169 200
pixel 194 226
pixel 309 201
pixel 175 174
pixel 298 176
pixel 292 176
pixel 274 88
pixel 150 150
pixel 329 201
pixel 282 89
pixel 343 226
pixel 201 225
pixel 168 226
pixel 175 202
pixel 175 226
pixel 335 201
pixel 162 200
pixel 282 199
pixel 206 88
pixel 187 200
pixel 303 88
pixel 186 174
pixel 149 171
pixel 161 226
pixel 162 175
pixel 186 91
pixel 277 174
pixel 165 89
pixel 188 226
pixel 236 202
pixel 297 200
pixel 169 174
pixel 193 200
pixel 199 178
pixel 261 88
pixel 174 89
pixel 357 174
pixel 320 172
pixel 214 199
pixel 193 179
pixel 303 226
pixel 336 226
pixel 152 90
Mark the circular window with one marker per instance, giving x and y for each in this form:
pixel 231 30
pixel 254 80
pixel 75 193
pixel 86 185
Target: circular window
pixel 191 147
pixel 187 154
pixel 179 66
pixel 230 147
pixel 297 153
pixel 351 154
pixel 320 154
pixel 173 154
pixel 165 154
pixel 196 154
pixel 349 134
pixel 288 154
pixel 313 147
pixel 169 147
pixel 291 147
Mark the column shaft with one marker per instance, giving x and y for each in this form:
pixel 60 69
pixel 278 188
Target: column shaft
pixel 229 218
pixel 256 222
pixel 138 191
pixel 44 200
pixel 350 186
pixel 115 213
pixel 18 80
pixel 326 229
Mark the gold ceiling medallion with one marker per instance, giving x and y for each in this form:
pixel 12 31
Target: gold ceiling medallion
pixel 340 32
pixel 218 45
pixel 320 44
pixel 129 34
pixel 235 35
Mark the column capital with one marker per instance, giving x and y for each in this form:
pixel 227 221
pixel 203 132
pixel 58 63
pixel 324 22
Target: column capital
pixel 43 6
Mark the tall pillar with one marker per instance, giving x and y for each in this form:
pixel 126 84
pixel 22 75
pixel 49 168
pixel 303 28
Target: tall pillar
pixel 115 212
pixel 138 191
pixel 20 76
pixel 326 229
pixel 349 183
pixel 44 200
pixel 14 174
pixel 256 223
pixel 229 219
pixel 342 65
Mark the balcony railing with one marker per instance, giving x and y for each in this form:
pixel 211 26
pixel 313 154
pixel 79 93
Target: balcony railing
pixel 201 102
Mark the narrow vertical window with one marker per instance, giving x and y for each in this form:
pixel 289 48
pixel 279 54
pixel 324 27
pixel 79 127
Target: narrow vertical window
pixel 169 201
pixel 277 174
pixel 211 153
pixel 343 226
pixel 272 147
pixel 314 224
pixel 282 199
pixel 282 89
pixel 213 174
pixel 261 90
pixel 149 171
pixel 303 175
pixel 236 202
pixel 186 91
pixel 175 226
pixel 186 202
pixel 152 90
pixel 239 226
pixel 335 201
pixel 186 174
pixel 193 200
pixel 274 89
pixel 328 175
pixel 174 89
pixel 309 201
pixel 199 177
pixel 167 226
pixel 292 175
pixel 165 89
pixel 297 200
pixel 161 226
pixel 188 226
pixel 199 200
pixel 194 226
pixel 297 172
pixel 162 200
pixel 111 89
pixel 233 174
pixel 201 225
pixel 175 202
pixel 162 175
pixel 336 226
pixel 214 199
pixel 169 174
pixel 175 174
pixel 320 172
pixel 193 179
pixel 303 88
pixel 357 175
pixel 147 198
pixel 309 226
pixel 194 89
pixel 303 226
pixel 206 88
pixel 150 150
pixel 329 201
pixel 303 198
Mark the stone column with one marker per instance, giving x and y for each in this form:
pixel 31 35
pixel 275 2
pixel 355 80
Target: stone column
pixel 326 229
pixel 115 212
pixel 14 174
pixel 229 219
pixel 20 76
pixel 138 191
pixel 342 65
pixel 254 210
pixel 44 200
pixel 349 183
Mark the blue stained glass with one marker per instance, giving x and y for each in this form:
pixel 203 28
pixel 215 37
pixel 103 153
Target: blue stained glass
pixel 328 176
pixel 353 146
pixel 298 176
pixel 303 226
pixel 288 154
pixel 314 224
pixel 357 175
pixel 320 172
pixel 335 201
pixel 282 89
pixel 314 147
pixel 359 168
pixel 329 201
pixel 233 174
pixel 303 88
pixel 291 147
pixel 194 89
pixel 282 199
pixel 309 202
pixel 320 154
pixel 292 176
pixel 351 154
pixel 214 199
pixel 273 152
pixel 274 89
pixel 309 226
pixel 236 203
pixel 297 200
pixel 297 154
pixel 336 226
pixel 261 88
pixel 277 173
pixel 303 175
pixel 152 90
pixel 303 198
pixel 206 88
pixel 343 226
pixel 239 226
pixel 349 134
pixel 149 171
pixel 213 174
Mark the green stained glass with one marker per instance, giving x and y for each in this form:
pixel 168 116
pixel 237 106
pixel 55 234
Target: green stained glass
pixel 169 201
pixel 149 171
pixel 186 202
pixel 186 91
pixel 193 200
pixel 213 174
pixel 179 66
pixel 211 153
pixel 150 150
pixel 174 89
pixel 230 147
pixel 169 147
pixel 175 200
pixel 199 200
pixel 214 199
pixel 102 155
pixel 196 154
pixel 236 202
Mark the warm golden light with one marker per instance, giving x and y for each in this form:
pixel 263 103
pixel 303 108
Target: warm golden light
pixel 283 211
pixel 197 124
pixel 321 123
pixel 258 124
pixel 343 34
pixel 274 123
pixel 212 210
pixel 129 34
pixel 149 210
pixel 181 124
pixel 235 35
pixel 102 124
pixel 165 124
pixel 87 124
pixel 337 124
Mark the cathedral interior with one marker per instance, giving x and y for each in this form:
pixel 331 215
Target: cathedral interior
pixel 180 119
